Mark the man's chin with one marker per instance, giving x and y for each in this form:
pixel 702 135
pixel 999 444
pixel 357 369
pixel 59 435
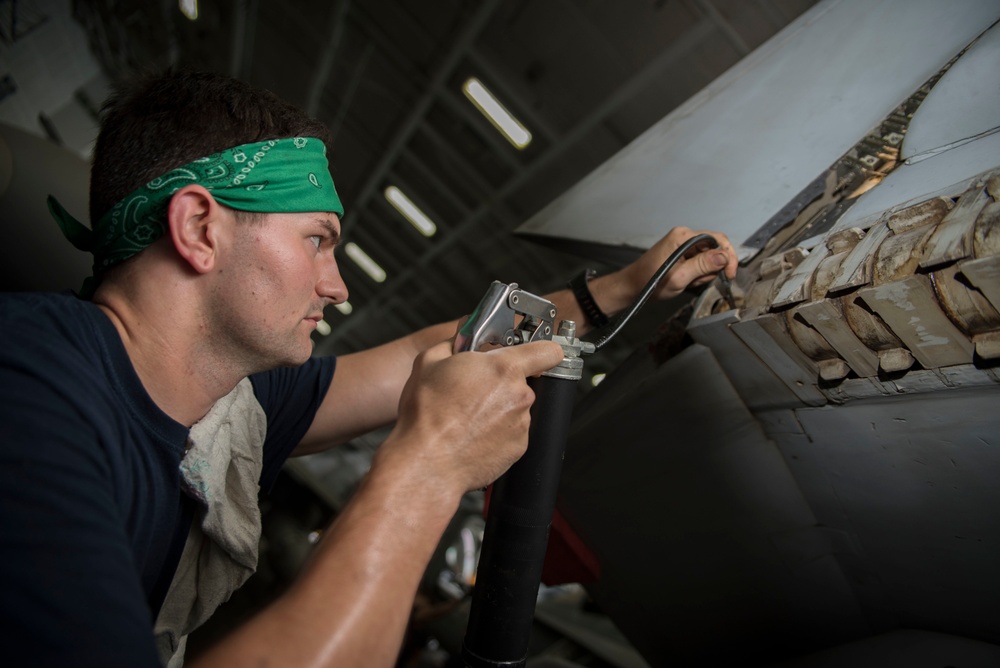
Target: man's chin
pixel 299 360
pixel 297 357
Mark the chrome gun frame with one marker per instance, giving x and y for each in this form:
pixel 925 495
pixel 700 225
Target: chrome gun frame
pixel 493 322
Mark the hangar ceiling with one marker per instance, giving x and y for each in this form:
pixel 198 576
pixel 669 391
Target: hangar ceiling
pixel 585 77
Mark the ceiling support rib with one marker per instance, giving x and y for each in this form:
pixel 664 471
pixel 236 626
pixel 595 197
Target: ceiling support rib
pixel 241 57
pixel 416 116
pixel 774 14
pixel 469 172
pixel 453 101
pixel 441 189
pixel 528 252
pixel 357 76
pixel 173 49
pixel 325 61
pixel 725 27
pixel 698 34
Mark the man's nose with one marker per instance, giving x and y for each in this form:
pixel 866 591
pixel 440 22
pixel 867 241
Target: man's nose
pixel 331 285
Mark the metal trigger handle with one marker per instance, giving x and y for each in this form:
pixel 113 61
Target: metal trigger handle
pixel 494 319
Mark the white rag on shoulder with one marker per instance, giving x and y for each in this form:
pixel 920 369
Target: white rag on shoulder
pixel 221 469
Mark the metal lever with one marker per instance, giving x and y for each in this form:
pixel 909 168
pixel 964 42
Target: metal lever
pixel 494 320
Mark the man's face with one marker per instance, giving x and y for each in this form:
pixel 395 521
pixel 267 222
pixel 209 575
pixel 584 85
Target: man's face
pixel 273 285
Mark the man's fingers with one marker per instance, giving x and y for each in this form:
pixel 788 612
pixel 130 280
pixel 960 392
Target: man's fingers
pixel 532 358
pixel 529 359
pixel 726 248
pixel 712 260
pixel 702 266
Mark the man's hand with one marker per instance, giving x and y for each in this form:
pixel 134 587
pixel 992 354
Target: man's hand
pixel 465 416
pixel 616 291
pixel 699 266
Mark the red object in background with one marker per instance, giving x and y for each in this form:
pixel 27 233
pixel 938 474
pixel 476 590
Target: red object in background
pixel 567 557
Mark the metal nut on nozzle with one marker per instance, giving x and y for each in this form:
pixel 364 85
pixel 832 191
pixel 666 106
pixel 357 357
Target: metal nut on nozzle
pixel 567 328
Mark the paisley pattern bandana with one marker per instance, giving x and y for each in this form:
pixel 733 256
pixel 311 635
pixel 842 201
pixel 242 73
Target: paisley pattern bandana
pixel 271 176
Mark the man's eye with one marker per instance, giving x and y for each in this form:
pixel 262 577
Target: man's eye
pixel 318 240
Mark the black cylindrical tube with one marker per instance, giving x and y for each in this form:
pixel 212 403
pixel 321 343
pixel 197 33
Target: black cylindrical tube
pixel 516 535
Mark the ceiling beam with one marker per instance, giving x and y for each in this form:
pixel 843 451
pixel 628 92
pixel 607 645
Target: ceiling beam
pixel 420 109
pixel 777 17
pixel 325 60
pixel 357 76
pixel 727 29
pixel 670 56
pixel 241 56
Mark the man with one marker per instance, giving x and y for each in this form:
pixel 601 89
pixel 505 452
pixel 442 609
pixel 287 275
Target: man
pixel 138 422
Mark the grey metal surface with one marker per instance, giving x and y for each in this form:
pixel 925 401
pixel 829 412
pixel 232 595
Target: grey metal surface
pixel 708 550
pixel 951 139
pixel 892 459
pixel 963 105
pixel 911 480
pixel 879 513
pixel 825 90
pixel 757 385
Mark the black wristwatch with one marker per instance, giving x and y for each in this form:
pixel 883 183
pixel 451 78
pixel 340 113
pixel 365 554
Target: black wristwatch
pixel 595 316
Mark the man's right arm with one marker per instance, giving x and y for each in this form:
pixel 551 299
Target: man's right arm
pixel 463 421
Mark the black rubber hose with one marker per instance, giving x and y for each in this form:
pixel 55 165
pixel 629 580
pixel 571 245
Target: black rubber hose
pixel 607 332
pixel 516 536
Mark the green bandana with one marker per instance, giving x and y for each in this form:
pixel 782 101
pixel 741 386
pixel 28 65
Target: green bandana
pixel 271 176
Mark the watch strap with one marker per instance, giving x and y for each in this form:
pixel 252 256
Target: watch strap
pixel 595 316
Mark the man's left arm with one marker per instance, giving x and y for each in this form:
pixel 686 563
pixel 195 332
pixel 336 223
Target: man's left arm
pixel 365 390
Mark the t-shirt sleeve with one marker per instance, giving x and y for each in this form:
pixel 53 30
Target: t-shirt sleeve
pixel 71 592
pixel 290 397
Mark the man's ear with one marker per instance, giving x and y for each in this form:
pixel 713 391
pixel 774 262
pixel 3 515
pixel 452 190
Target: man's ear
pixel 196 221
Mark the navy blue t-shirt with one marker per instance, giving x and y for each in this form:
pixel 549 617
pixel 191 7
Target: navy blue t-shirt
pixel 90 498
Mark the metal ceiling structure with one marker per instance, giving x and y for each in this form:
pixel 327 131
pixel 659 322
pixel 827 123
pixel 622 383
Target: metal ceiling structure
pixel 586 77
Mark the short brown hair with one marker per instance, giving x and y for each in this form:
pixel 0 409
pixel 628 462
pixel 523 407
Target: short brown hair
pixel 159 121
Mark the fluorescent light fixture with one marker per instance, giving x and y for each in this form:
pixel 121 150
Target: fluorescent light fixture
pixel 410 211
pixel 189 8
pixel 501 119
pixel 363 260
pixel 344 307
pixel 323 327
pixel 596 379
